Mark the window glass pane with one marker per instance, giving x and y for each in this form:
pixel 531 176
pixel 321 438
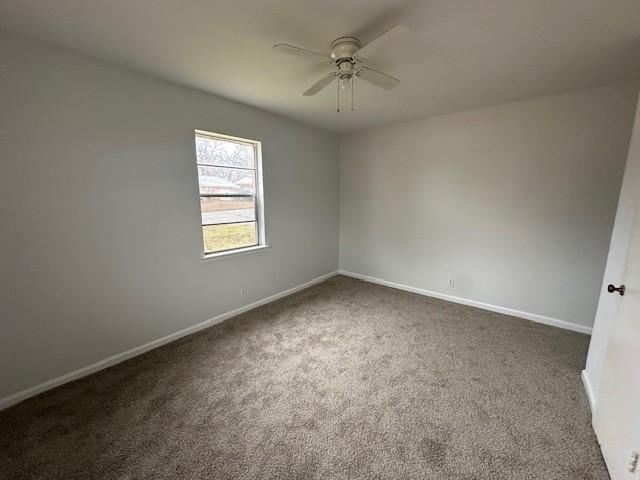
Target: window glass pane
pixel 226 181
pixel 212 151
pixel 227 210
pixel 226 237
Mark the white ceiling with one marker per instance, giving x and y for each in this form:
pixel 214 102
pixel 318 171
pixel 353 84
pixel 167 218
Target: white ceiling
pixel 462 53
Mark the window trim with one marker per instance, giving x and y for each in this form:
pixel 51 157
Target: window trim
pixel 234 252
pixel 259 196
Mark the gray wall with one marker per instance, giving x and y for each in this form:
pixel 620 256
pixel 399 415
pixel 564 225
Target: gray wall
pixel 101 244
pixel 516 202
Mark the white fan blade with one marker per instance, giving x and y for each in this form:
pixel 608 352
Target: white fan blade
pixel 377 78
pixel 301 52
pixel 389 35
pixel 320 84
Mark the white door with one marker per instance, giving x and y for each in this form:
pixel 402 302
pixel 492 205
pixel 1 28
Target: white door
pixel 616 418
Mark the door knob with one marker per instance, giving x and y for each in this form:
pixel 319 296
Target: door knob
pixel 613 288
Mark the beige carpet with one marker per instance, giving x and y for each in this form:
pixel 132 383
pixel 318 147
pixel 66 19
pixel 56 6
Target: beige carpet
pixel 345 380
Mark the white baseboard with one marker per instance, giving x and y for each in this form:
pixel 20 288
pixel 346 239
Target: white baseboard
pixel 473 303
pixel 7 402
pixel 589 389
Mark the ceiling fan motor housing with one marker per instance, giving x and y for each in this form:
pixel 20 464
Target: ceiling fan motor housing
pixel 344 48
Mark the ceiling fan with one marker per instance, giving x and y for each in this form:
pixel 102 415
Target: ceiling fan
pixel 349 57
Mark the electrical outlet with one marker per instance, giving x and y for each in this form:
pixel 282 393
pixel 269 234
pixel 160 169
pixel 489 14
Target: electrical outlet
pixel 452 283
pixel 243 292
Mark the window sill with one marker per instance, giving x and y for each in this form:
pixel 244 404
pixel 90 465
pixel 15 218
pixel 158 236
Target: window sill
pixel 233 253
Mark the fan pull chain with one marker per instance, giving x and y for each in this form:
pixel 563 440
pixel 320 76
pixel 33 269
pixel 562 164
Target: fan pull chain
pixel 353 87
pixel 338 83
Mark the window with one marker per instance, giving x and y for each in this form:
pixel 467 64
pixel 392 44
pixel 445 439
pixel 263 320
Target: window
pixel 230 180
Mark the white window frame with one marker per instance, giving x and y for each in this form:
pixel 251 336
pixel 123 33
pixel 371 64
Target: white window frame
pixel 259 195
